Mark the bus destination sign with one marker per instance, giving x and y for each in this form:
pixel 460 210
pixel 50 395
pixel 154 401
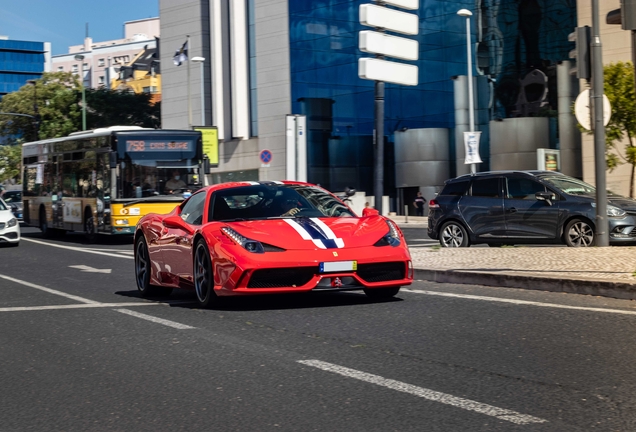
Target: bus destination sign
pixel 134 146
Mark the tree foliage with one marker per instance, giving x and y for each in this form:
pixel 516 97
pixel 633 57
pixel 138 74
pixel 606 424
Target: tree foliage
pixel 55 95
pixel 114 108
pixel 10 160
pixel 619 88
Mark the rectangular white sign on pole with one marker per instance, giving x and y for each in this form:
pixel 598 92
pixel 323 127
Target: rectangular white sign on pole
pixel 301 148
pixel 471 147
pixel 389 19
pixel 290 147
pixel 391 46
pixel 404 4
pixel 387 71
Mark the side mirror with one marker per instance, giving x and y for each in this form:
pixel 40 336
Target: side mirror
pixel 545 196
pixel 350 192
pixel 175 222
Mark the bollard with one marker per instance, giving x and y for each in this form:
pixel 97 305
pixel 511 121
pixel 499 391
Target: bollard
pixel 406 214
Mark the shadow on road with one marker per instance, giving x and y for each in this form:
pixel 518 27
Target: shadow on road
pixel 186 299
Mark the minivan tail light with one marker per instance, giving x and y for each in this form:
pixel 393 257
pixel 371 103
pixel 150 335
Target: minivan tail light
pixel 432 204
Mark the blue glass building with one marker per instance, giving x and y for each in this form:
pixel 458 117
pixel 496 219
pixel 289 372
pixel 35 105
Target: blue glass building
pixel 20 61
pixel 510 38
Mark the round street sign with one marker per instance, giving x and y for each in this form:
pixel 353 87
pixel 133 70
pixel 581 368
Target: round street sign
pixel 265 156
pixel 582 110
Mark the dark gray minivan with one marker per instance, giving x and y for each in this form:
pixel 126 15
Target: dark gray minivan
pixel 522 207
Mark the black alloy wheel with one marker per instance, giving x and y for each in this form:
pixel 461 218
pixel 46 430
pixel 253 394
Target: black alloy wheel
pixel 381 293
pixel 579 233
pixel 142 272
pixel 204 276
pixel 453 235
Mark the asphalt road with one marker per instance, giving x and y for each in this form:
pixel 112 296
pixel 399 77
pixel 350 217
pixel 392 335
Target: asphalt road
pixel 81 351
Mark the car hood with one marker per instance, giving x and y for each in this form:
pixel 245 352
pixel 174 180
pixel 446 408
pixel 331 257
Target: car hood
pixel 6 215
pixel 624 203
pixel 312 233
pixel 619 201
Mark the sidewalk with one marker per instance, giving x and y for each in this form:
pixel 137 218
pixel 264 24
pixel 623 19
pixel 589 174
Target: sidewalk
pixel 602 271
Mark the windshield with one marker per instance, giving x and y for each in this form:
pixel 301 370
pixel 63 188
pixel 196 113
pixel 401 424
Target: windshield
pixel 570 185
pixel 3 206
pixel 12 196
pixel 140 179
pixel 275 201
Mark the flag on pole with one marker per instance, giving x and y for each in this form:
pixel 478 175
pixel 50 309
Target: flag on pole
pixel 181 55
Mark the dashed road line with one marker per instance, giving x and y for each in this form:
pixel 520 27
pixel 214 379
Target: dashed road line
pixel 78 249
pixel 75 306
pixel 432 395
pixel 155 319
pixel 49 290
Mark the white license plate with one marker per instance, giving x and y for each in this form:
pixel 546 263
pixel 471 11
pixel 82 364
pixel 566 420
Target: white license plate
pixel 338 266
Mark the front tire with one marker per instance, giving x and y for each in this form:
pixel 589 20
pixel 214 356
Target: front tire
pixel 381 293
pixel 204 276
pixel 452 235
pixel 143 268
pixel 579 233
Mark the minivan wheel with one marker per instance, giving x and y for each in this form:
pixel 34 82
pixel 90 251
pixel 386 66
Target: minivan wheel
pixel 453 234
pixel 579 233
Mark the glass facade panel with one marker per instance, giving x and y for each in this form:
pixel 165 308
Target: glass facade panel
pixel 19 61
pixel 512 39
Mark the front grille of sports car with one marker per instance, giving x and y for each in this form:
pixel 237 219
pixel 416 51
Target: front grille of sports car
pixel 281 277
pixel 382 272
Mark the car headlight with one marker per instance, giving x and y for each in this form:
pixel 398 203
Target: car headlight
pixel 12 222
pixel 248 244
pixel 613 210
pixel 392 237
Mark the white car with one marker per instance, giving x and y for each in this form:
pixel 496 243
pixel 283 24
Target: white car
pixel 9 226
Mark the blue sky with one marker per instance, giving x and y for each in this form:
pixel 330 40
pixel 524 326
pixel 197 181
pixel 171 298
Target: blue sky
pixel 63 22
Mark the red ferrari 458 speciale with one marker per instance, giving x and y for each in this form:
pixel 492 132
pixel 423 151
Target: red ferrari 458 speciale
pixel 268 237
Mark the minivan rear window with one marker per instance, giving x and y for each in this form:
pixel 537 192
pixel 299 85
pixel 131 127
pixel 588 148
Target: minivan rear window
pixel 456 188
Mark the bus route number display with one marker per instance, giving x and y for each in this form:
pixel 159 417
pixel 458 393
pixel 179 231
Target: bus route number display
pixel 135 146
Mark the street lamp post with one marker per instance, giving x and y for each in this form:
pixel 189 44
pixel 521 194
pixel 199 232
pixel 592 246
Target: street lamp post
pixel 201 61
pixel 36 115
pixel 80 57
pixel 471 109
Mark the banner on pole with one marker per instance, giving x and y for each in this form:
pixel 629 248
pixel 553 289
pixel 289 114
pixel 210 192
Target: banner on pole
pixel 471 147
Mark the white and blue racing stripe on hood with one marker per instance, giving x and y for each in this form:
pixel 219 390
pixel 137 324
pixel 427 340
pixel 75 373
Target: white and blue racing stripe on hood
pixel 317 231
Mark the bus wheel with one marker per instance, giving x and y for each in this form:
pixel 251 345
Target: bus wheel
pixel 44 226
pixel 89 226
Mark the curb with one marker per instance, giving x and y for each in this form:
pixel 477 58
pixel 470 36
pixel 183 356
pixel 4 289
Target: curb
pixel 602 288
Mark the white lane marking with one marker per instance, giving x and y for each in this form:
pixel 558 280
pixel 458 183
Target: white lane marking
pixel 155 319
pixel 432 395
pixel 74 306
pixel 49 290
pixel 520 302
pixel 88 269
pixel 77 249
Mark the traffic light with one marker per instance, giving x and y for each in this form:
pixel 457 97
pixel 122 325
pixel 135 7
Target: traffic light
pixel 581 37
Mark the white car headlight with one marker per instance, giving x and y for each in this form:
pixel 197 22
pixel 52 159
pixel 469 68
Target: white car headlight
pixel 613 210
pixel 12 222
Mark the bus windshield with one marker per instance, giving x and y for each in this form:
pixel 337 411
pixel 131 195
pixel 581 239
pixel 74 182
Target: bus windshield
pixel 157 165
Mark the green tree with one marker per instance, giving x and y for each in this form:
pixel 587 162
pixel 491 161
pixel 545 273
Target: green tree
pixel 10 161
pixel 121 108
pixel 619 88
pixel 56 97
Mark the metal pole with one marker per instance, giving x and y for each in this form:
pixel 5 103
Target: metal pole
pixel 83 104
pixel 189 97
pixel 602 236
pixel 379 144
pixel 471 102
pixel 202 97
